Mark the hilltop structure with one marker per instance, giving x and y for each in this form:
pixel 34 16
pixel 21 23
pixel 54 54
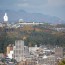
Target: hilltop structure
pixel 5 18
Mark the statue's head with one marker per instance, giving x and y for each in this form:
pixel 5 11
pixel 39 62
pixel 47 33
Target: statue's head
pixel 5 14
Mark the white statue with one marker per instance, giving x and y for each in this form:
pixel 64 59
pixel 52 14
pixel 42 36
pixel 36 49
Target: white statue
pixel 5 17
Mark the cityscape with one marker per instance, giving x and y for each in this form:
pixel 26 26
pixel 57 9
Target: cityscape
pixel 32 32
pixel 21 54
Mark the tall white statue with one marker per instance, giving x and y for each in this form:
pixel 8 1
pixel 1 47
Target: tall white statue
pixel 5 17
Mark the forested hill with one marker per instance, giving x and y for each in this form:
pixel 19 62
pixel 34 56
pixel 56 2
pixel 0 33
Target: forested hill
pixel 42 34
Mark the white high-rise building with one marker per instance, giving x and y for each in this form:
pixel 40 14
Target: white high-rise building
pixel 58 52
pixel 19 50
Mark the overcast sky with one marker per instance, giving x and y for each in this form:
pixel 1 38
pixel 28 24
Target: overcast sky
pixel 48 7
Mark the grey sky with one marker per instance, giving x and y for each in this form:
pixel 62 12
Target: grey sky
pixel 49 7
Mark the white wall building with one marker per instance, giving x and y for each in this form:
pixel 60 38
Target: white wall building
pixel 10 55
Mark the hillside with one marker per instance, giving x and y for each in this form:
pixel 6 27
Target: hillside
pixel 32 35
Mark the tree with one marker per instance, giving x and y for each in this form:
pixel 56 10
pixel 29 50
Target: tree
pixel 62 62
